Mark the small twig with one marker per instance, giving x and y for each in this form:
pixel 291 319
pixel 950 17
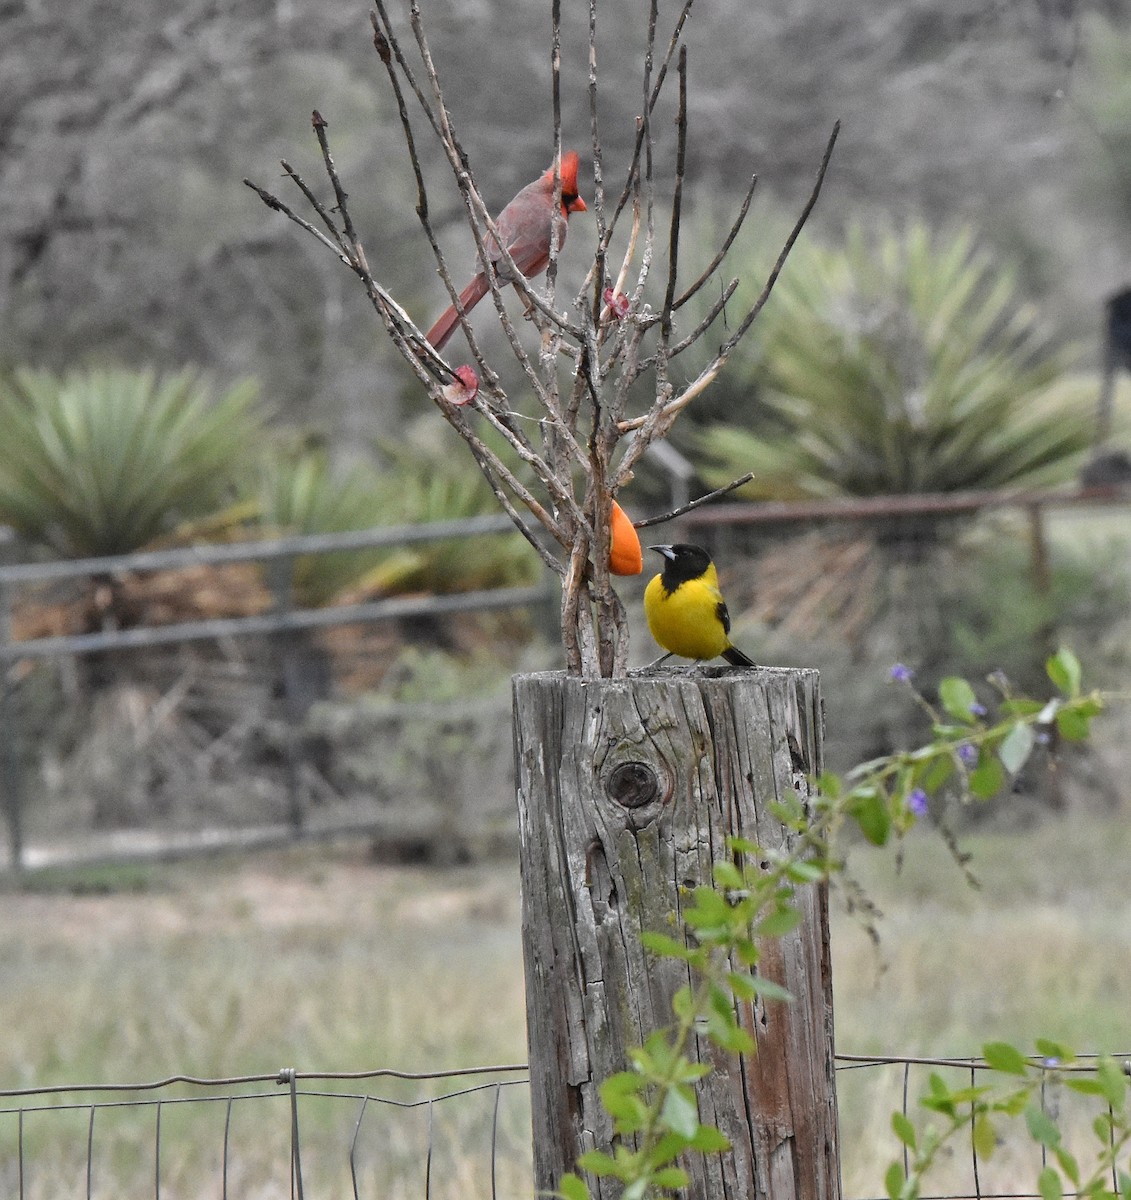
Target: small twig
pixel 316 204
pixel 686 508
pixel 643 129
pixel 794 234
pixel 275 203
pixel 677 201
pixel 707 321
pixel 728 241
pixel 319 123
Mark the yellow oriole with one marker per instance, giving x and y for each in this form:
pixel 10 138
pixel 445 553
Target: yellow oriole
pixel 686 611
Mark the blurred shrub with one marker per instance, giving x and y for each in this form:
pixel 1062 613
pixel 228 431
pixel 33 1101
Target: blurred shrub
pixel 301 491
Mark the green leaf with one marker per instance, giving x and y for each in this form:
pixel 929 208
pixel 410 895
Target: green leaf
pixel 742 845
pixel 597 1162
pixel 903 1129
pixel 1014 1103
pixel 679 1112
pixel 805 872
pixel 829 784
pixel 1042 1128
pixel 707 910
pixel 868 807
pixel 667 1149
pixel 728 1035
pixel 620 1094
pixel 934 771
pixel 671 1177
pixel 985 1136
pixel 1055 1053
pixel 1016 748
pixel 572 1187
pixel 1073 725
pixel 1001 1056
pixel 742 985
pixel 894 1178
pixel 1048 1184
pixel 664 946
pixel 709 1140
pixel 727 876
pixel 778 923
pixel 1064 670
pixel 683 1002
pixel 1068 1164
pixel 1085 1085
pixel 1112 1080
pixel 987 778
pixel 767 989
pixel 938 1098
pixel 958 698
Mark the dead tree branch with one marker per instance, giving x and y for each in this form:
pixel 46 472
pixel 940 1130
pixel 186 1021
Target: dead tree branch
pixel 558 485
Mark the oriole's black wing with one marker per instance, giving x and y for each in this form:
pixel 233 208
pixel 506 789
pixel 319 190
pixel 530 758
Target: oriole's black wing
pixel 723 615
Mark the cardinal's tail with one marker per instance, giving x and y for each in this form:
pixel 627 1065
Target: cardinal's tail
pixel 470 296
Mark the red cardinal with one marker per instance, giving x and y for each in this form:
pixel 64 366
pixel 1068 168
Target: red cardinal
pixel 525 227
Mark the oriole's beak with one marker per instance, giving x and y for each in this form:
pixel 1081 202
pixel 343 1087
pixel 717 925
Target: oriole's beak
pixel 667 551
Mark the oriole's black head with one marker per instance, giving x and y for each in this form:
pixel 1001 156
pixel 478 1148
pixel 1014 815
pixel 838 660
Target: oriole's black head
pixel 682 562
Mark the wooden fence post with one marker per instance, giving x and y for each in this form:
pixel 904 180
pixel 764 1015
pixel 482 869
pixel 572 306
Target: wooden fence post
pixel 626 791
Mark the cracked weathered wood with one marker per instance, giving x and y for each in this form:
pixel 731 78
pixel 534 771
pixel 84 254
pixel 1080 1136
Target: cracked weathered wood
pixel 626 791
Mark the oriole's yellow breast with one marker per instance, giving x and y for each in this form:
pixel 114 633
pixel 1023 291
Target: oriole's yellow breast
pixel 688 621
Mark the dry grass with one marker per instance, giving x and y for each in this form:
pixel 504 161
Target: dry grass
pixel 323 960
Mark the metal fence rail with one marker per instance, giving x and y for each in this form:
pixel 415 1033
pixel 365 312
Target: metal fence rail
pixel 291 662
pixel 284 618
pixel 430 1134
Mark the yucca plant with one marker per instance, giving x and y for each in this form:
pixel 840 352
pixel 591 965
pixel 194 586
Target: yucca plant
pixel 904 361
pixel 105 461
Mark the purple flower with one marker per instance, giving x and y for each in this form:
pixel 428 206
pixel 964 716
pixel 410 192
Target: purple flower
pixel 901 673
pixel 968 752
pixel 917 802
pixel 977 710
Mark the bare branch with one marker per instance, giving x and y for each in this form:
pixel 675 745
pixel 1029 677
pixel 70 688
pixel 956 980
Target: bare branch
pixel 651 99
pixel 677 200
pixel 648 522
pixel 794 234
pixel 728 241
pixel 275 203
pixel 707 321
pixel 319 123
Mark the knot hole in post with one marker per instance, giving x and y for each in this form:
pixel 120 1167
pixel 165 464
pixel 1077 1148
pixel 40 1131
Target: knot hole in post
pixel 634 786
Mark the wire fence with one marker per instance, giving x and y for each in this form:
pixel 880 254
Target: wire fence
pixel 427 1136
